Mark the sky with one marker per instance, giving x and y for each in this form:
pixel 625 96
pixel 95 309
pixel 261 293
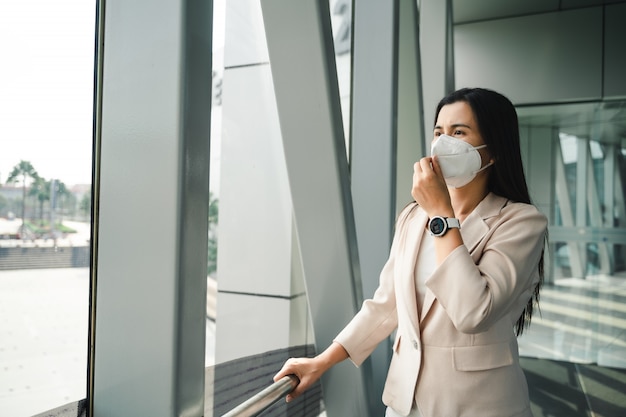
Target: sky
pixel 46 87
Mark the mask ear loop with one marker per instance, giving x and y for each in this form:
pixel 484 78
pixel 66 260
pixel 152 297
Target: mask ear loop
pixel 485 167
pixel 491 161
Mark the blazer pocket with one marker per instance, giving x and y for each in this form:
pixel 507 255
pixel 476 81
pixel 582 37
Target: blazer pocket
pixel 480 358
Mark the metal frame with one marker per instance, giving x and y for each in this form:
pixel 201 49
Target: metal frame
pixel 151 182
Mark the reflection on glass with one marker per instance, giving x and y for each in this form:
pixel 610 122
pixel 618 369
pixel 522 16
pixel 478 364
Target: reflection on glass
pixel 259 317
pixel 341 20
pixel 46 80
pixel 214 194
pixel 581 308
pixel 569 152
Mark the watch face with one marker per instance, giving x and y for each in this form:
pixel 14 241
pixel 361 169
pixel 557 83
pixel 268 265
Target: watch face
pixel 437 226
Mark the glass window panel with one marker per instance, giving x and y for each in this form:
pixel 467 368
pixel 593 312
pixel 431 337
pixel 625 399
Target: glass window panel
pixel 214 175
pixel 596 149
pixel 568 148
pixel 341 20
pixel 46 119
pixel 255 284
pixel 569 152
pixel 580 305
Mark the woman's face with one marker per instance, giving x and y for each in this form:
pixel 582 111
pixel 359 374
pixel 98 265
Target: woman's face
pixel 457 120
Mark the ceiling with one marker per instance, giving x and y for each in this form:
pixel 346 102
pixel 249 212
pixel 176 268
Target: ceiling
pixel 476 10
pixel 602 121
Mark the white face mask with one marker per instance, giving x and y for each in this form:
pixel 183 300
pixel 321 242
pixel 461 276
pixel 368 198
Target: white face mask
pixel 459 161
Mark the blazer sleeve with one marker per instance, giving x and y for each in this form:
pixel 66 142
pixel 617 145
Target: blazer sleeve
pixel 476 294
pixel 377 317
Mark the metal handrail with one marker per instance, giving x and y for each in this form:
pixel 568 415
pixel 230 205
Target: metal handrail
pixel 262 400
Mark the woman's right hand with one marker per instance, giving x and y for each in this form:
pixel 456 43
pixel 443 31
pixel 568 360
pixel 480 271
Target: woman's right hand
pixel 429 188
pixel 309 370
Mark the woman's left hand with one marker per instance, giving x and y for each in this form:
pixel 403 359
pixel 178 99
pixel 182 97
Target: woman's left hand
pixel 429 188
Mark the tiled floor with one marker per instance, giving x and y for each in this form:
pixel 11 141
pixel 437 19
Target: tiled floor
pixel 566 389
pixel 575 351
pixel 581 321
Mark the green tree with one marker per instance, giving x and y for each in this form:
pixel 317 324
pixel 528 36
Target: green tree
pixel 60 193
pixel 66 202
pixel 40 190
pixel 85 205
pixel 22 171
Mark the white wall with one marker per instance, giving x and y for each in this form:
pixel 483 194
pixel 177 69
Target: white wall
pixel 546 58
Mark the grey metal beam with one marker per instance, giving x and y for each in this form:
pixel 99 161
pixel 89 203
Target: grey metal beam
pixel 588 234
pixel 437 49
pixel 410 143
pixel 152 218
pixel 582 165
pixel 610 203
pixel 373 152
pixel 302 59
pixel 567 212
pixel 373 138
pixel 595 216
pixel 193 198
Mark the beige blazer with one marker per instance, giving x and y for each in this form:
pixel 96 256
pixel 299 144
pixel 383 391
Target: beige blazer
pixel 457 356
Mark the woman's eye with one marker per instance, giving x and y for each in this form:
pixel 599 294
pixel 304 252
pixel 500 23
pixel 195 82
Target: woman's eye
pixel 458 132
pixel 437 134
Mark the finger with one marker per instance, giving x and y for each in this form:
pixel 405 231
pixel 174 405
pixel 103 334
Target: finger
pixel 279 375
pixel 299 390
pixel 426 164
pixel 437 167
pixel 285 370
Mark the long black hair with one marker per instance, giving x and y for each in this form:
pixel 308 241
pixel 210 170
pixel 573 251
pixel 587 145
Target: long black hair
pixel 499 128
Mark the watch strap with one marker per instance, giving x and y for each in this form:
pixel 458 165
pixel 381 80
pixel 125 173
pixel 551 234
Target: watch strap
pixel 453 222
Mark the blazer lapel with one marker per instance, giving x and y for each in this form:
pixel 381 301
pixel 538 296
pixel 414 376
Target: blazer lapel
pixel 473 229
pixel 429 299
pixel 415 227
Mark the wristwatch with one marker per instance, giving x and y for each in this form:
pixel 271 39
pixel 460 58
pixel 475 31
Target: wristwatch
pixel 438 225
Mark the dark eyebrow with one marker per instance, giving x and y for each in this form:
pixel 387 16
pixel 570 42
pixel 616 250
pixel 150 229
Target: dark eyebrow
pixel 455 126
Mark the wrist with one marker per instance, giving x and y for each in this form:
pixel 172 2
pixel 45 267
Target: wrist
pixel 440 225
pixel 334 354
pixel 441 212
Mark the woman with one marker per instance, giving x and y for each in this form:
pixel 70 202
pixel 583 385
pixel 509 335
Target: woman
pixel 465 263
